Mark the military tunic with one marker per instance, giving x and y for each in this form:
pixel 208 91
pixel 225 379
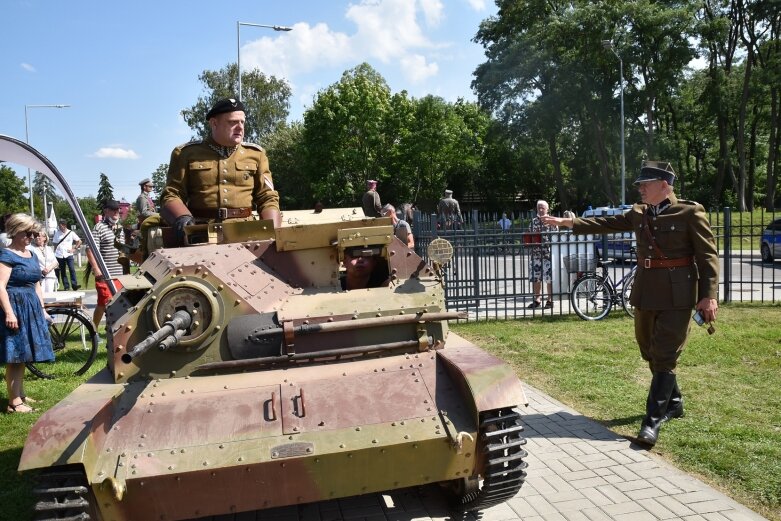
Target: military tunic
pixel 372 207
pixel 664 297
pixel 205 181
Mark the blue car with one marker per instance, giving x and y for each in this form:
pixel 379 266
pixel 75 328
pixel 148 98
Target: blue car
pixel 771 241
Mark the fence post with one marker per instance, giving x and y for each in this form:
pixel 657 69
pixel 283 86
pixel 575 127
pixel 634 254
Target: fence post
pixel 727 253
pixel 476 247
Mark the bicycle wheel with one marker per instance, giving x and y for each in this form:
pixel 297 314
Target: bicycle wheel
pixel 591 297
pixel 626 291
pixel 75 345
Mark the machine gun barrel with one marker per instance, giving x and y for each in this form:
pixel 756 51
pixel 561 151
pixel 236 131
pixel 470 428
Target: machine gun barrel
pixel 165 337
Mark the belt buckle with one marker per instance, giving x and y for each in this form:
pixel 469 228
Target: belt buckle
pixel 222 213
pixel 647 263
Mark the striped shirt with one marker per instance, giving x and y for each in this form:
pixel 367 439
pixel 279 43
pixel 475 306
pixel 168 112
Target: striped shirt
pixel 105 235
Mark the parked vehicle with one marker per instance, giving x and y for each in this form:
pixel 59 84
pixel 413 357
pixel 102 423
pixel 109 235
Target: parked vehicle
pixel 620 246
pixel 771 241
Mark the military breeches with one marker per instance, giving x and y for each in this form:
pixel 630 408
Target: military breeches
pixel 661 335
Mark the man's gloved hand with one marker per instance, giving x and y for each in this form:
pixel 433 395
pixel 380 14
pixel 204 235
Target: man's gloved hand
pixel 181 222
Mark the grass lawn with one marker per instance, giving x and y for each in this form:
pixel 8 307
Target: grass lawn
pixel 730 436
pixel 731 382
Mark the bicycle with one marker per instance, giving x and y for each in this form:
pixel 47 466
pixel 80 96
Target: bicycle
pixel 593 295
pixel 75 344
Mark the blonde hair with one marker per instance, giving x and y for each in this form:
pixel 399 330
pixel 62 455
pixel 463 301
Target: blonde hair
pixel 20 222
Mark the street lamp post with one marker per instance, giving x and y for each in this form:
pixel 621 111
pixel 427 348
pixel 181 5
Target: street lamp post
pixel 608 44
pixel 27 140
pixel 238 44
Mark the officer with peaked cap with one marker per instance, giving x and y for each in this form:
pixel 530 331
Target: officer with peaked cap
pixel 221 177
pixel 145 205
pixel 678 269
pixel 449 211
pixel 370 202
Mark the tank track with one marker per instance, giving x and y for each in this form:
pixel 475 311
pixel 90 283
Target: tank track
pixel 62 494
pixel 505 470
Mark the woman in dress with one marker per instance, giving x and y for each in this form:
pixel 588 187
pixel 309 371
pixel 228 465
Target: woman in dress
pixel 540 269
pixel 24 332
pixel 46 260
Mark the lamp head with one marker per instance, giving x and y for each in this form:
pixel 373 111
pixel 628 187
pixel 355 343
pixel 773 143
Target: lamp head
pixel 607 44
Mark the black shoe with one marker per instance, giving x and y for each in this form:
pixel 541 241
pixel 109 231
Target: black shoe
pixel 76 287
pixel 662 385
pixel 549 304
pixel 534 304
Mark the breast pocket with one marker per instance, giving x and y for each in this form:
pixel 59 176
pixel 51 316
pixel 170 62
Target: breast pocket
pixel 245 173
pixel 202 174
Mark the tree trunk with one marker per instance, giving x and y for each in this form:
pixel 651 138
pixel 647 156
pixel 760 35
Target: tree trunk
pixel 556 162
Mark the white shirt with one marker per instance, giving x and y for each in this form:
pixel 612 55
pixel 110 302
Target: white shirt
pixel 65 247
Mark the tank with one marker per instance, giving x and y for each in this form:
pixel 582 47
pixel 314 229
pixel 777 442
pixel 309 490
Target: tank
pixel 241 376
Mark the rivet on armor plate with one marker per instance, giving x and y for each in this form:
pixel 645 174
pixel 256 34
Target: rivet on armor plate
pixel 121 375
pixel 375 441
pixel 357 428
pixel 414 445
pixel 205 463
pixel 222 446
pixel 241 458
pixel 468 455
pixel 350 455
pixel 406 436
pixel 341 445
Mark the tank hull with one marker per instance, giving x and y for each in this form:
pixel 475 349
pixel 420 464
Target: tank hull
pixel 280 437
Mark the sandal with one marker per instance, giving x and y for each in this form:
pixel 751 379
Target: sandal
pixel 27 399
pixel 535 304
pixel 549 304
pixel 21 408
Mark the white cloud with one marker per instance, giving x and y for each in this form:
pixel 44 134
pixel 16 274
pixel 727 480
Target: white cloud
pixel 477 5
pixel 416 69
pixel 28 67
pixel 393 32
pixel 115 152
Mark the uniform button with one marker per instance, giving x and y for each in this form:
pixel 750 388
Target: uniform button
pixel 672 227
pixel 225 200
pixel 224 170
pixel 224 181
pixel 225 190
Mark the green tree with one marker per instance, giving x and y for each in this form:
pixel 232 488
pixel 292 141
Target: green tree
pixel 344 136
pixel 105 190
pixel 12 192
pixel 159 177
pixel 285 150
pixel 266 99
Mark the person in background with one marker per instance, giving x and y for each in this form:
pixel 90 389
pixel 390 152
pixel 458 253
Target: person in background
pixel 46 260
pixel 401 228
pixel 145 205
pixel 220 178
pixel 24 332
pixel 65 242
pixel 106 233
pixel 540 269
pixel 449 212
pixel 372 207
pixel 677 270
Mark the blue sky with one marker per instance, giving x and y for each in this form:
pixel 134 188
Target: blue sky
pixel 128 68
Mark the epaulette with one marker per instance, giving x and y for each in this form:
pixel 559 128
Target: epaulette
pixel 686 201
pixel 252 145
pixel 191 143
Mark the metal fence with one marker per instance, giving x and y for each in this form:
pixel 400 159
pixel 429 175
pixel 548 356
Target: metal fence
pixel 488 276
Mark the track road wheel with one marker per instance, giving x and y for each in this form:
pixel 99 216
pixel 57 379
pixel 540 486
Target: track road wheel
pixel 505 470
pixel 63 493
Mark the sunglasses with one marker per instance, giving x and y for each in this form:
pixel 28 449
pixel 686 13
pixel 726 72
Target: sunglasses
pixel 31 235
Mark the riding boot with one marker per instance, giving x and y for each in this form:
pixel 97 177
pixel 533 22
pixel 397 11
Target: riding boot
pixel 662 385
pixel 675 405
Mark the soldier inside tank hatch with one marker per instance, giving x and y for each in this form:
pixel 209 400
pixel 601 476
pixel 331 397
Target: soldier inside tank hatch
pixel 364 268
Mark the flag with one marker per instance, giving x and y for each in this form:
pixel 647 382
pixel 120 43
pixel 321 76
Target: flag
pixel 51 221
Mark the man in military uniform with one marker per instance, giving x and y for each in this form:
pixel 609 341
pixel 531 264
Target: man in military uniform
pixel 370 202
pixel 145 205
pixel 678 269
pixel 219 178
pixel 449 211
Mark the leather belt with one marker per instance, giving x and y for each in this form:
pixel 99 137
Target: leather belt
pixel 221 213
pixel 666 263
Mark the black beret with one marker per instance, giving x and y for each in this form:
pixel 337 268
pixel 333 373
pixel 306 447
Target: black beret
pixel 656 171
pixel 225 105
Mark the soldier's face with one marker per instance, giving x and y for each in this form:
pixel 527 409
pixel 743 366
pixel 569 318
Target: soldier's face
pixel 228 128
pixel 652 192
